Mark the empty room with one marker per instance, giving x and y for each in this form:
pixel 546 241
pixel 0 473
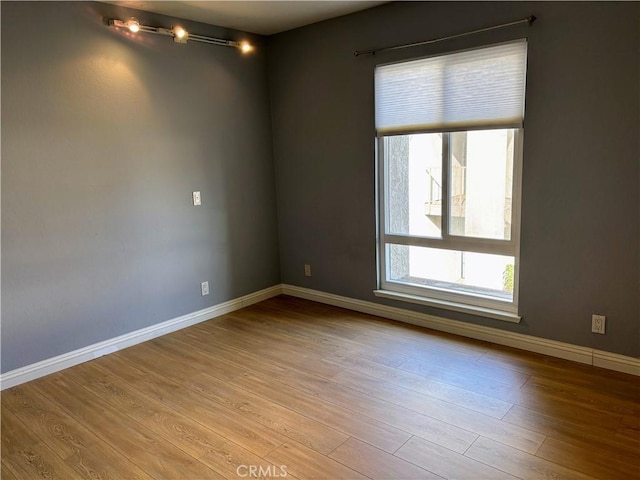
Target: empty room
pixel 320 240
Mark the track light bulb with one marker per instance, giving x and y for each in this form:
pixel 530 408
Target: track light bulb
pixel 133 25
pixel 180 35
pixel 246 47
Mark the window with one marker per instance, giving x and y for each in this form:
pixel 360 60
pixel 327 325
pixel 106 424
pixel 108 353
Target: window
pixel 450 134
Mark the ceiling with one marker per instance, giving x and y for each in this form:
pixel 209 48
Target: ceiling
pixel 263 17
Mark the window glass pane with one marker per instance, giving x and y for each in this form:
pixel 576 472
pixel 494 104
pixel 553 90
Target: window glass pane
pixel 481 173
pixel 414 184
pixel 452 270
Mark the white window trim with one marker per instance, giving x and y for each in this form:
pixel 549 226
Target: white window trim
pixel 448 305
pixel 448 300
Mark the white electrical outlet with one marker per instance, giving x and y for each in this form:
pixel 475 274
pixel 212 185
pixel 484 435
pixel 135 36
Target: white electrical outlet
pixel 204 287
pixel 197 200
pixel 597 324
pixel 307 270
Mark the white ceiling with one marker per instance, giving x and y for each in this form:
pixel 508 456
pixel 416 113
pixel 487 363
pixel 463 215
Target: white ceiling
pixel 263 17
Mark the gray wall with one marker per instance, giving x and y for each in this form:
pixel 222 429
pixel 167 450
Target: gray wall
pixel 581 206
pixel 104 138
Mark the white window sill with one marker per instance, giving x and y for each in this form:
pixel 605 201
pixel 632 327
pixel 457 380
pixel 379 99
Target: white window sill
pixel 448 305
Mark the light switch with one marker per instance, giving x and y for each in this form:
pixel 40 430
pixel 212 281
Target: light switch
pixel 196 199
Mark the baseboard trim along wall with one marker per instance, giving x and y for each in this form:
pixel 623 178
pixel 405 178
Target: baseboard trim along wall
pixel 66 360
pixel 552 348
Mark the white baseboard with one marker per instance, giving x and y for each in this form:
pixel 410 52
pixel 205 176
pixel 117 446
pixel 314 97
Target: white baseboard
pixel 552 348
pixel 261 295
pixel 55 364
pixel 619 363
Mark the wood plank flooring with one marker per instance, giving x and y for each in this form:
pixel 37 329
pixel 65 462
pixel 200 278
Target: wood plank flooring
pixel 293 389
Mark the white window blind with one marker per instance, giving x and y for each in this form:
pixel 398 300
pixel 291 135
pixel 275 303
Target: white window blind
pixel 465 90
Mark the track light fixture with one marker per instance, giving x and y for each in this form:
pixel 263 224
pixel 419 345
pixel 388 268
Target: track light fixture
pixel 133 25
pixel 179 34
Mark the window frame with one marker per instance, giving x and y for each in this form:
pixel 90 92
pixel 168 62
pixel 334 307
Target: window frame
pixel 441 298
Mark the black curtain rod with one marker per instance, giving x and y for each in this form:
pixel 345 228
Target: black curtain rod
pixel 530 19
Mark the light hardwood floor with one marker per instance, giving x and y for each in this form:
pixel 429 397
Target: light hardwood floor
pixel 294 389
